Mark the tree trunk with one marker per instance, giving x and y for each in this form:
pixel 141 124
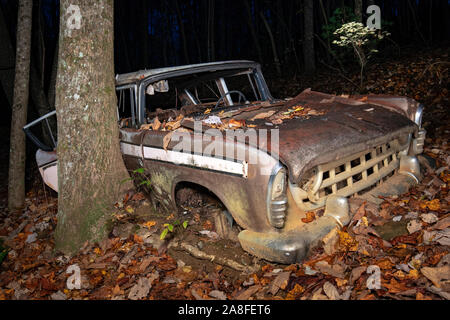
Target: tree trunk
pixel 183 34
pixel 36 90
pixel 308 41
pixel 90 165
pixel 358 10
pixel 16 178
pixel 52 84
pixel 272 41
pixel 6 61
pixel 253 32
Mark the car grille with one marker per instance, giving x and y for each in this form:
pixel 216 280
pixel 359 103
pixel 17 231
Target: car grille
pixel 355 174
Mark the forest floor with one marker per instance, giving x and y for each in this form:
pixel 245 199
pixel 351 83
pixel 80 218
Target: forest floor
pixel 407 238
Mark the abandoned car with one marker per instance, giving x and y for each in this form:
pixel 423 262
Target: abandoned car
pixel 288 157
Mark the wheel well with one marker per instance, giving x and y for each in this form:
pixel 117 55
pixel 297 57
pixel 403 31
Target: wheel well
pixel 194 195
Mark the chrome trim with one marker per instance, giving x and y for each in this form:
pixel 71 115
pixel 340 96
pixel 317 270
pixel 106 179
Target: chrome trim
pixel 315 186
pixel 278 220
pixel 45 116
pixel 418 143
pixel 338 208
pixel 418 115
pixel 409 165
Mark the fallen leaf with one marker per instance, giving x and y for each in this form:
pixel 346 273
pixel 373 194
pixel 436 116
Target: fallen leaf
pixel 138 196
pixel 295 292
pixel 420 296
pixel 263 115
pixel 149 224
pixel 442 224
pixel 333 270
pixel 433 205
pixel 395 286
pixel 429 218
pixel 117 291
pixel 346 241
pixel 310 216
pixel 385 264
pixel 356 273
pixel 166 140
pixel 414 226
pixel 220 295
pixel 330 241
pixel 440 276
pixel 140 290
pixel 129 209
pixel 317 295
pixel 280 282
pixel 244 295
pixel 331 291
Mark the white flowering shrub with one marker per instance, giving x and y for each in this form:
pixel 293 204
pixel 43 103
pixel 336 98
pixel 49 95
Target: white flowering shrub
pixel 361 38
pixel 356 34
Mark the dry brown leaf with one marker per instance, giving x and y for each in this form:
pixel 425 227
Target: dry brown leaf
pixel 244 295
pixel 440 276
pixel 310 217
pixel 263 115
pixel 280 282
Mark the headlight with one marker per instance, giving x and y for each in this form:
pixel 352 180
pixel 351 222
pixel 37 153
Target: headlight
pixel 419 140
pixel 279 184
pixel 277 200
pixel 418 115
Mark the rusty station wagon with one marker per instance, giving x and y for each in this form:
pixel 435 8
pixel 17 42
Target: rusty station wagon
pixel 314 151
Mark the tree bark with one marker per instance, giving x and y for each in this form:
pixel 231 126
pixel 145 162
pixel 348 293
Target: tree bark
pixel 52 84
pixel 358 10
pixel 272 41
pixel 183 34
pixel 90 165
pixel 308 41
pixel 7 61
pixel 16 178
pixel 36 90
pixel 253 32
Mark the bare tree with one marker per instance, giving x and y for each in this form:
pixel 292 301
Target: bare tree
pixel 272 41
pixel 7 61
pixel 253 31
pixel 90 165
pixel 358 10
pixel 183 34
pixel 16 178
pixel 308 41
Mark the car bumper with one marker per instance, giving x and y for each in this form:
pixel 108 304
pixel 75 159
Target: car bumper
pixel 293 246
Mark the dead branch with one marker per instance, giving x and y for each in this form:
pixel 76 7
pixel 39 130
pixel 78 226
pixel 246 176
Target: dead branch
pixel 219 260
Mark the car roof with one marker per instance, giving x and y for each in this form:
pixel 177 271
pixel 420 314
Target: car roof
pixel 137 76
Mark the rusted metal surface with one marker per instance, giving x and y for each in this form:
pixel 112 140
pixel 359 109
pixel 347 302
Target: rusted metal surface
pixel 318 134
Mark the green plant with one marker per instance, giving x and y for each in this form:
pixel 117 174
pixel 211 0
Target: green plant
pixel 139 177
pixel 169 227
pixel 339 17
pixel 361 39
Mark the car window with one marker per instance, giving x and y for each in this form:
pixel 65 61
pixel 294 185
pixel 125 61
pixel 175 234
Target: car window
pixel 126 104
pixel 163 95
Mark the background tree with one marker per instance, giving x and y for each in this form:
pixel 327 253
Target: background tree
pixel 16 178
pixel 90 166
pixel 7 61
pixel 308 41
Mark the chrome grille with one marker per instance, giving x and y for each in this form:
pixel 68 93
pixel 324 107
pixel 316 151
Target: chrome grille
pixel 355 174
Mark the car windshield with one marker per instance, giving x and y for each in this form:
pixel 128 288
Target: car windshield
pixel 213 89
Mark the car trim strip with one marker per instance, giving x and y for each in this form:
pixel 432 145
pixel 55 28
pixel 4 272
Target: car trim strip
pixel 181 158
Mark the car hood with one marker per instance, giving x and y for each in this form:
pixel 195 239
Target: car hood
pixel 338 127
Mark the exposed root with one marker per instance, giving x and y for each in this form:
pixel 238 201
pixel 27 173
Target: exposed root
pixel 219 260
